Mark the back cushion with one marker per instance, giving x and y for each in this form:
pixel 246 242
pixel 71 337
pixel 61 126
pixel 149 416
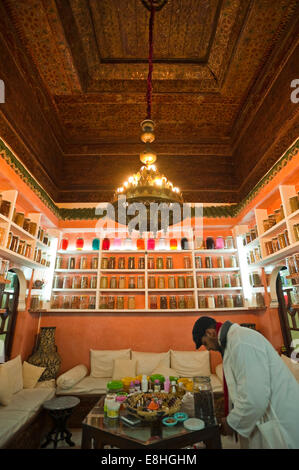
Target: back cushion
pixel 147 362
pixel 191 363
pixel 14 373
pixel 101 362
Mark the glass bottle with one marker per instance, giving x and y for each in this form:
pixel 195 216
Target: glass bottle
pixel 121 262
pixel 163 302
pixel 131 262
pixel 106 244
pixel 111 262
pixel 113 283
pixel 227 281
pixel 159 263
pixel 122 282
pixel 204 400
pixel 229 243
pixel 229 303
pixel 104 263
pixel 173 244
pixel 131 303
pixel 210 244
pixel 198 262
pixel 66 303
pixel 169 262
pixel 83 262
pixel 151 244
pixel 64 243
pixel 120 302
pixel 218 282
pixel 66 282
pixel 181 282
pixel 172 302
pixel 117 243
pixel 104 282
pixel 211 301
pixel 182 303
pixel 140 244
pixel 185 243
pixel 111 302
pixel 189 282
pixel 208 262
pixel 209 282
pixel 141 263
pixel 79 243
pixel 132 283
pixel 171 282
pixel 140 282
pixel 220 301
pixel 201 301
pixel 200 282
pixel 93 282
pixel 161 282
pixel 151 282
pixel 153 302
pixel 96 244
pixel 150 263
pixel 219 243
pixel 190 302
pixel 92 302
pixel 238 301
pixel 187 262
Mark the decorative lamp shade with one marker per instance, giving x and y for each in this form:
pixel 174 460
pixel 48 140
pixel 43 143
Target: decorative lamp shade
pixel 219 243
pixel 184 243
pixel 117 243
pixel 210 244
pixel 151 244
pixel 79 243
pixel 64 243
pixel 106 244
pixel 96 244
pixel 140 244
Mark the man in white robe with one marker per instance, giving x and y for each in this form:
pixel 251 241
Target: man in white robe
pixel 263 393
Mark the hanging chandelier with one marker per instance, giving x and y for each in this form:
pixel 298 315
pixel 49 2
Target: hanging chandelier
pixel 148 185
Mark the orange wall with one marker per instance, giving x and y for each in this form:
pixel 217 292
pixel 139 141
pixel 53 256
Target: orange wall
pixel 25 334
pixel 76 334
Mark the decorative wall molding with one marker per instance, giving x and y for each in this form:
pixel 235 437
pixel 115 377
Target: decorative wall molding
pixel 226 211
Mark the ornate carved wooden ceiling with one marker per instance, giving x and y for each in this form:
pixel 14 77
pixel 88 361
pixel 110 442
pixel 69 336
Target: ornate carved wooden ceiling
pixel 216 63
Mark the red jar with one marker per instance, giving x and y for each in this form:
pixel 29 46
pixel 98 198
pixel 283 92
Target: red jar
pixel 79 243
pixel 64 243
pixel 106 244
pixel 151 244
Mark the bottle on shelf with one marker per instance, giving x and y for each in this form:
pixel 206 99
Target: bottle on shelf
pixel 185 243
pixel 140 244
pixel 79 243
pixel 106 244
pixel 173 244
pixel 210 243
pixel 219 243
pixel 96 244
pixel 151 244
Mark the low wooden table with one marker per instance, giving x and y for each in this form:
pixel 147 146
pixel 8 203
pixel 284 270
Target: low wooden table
pixel 98 431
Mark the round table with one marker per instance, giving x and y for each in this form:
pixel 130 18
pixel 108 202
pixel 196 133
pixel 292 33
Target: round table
pixel 60 409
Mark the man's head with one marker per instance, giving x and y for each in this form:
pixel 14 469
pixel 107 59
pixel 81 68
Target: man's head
pixel 204 333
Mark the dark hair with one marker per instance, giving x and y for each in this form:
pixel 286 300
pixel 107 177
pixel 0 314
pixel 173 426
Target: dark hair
pixel 200 327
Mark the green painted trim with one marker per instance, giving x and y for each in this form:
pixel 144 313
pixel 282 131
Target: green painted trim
pixel 228 211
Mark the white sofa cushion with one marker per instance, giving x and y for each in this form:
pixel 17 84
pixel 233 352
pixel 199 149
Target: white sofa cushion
pixel 29 399
pixel 31 374
pixel 216 383
pixel 191 363
pixel 89 386
pixel 147 361
pixel 23 407
pixel 123 368
pixel 10 423
pixel 219 372
pixel 293 366
pixel 164 370
pixel 72 376
pixel 15 373
pixel 101 362
pixel 5 387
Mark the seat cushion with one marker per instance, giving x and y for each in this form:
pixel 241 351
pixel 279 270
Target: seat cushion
pixel 191 363
pixel 70 378
pixel 10 423
pixel 15 373
pixel 216 383
pixel 29 399
pixel 148 361
pixel 87 386
pixel 102 361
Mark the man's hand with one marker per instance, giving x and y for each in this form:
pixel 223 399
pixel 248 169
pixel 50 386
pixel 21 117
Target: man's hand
pixel 225 429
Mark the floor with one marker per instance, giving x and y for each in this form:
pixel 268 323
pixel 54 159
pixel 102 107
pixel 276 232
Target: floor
pixel 227 442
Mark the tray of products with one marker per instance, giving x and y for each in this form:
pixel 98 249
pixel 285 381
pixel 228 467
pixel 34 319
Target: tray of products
pixel 150 406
